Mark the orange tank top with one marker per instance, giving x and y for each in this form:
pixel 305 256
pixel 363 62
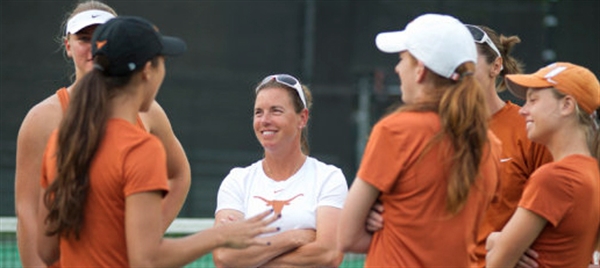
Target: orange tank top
pixel 63 96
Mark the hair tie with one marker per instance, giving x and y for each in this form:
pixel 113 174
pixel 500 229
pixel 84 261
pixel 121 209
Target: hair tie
pixel 457 77
pixel 466 74
pixel 594 117
pixel 98 67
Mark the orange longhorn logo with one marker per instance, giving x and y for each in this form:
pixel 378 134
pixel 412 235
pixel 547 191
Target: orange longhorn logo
pixel 278 204
pixel 100 44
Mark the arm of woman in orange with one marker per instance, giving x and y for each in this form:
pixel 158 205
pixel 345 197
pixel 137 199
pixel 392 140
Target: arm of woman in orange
pixel 505 248
pixel 255 256
pixel 147 248
pixel 178 166
pixel 48 246
pixel 31 142
pixel 352 233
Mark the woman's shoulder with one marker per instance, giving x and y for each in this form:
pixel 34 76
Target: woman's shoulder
pixel 410 121
pixel 322 167
pixel 410 117
pixel 242 172
pixel 127 135
pixel 43 117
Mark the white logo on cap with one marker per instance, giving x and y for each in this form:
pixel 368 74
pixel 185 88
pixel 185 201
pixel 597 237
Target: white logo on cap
pixel 131 66
pixel 554 73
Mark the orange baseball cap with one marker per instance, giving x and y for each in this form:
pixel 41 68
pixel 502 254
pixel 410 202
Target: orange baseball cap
pixel 567 78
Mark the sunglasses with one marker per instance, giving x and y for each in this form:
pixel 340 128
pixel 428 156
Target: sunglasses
pixel 285 79
pixel 481 37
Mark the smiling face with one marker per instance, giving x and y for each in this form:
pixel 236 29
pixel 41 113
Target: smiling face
pixel 276 124
pixel 542 114
pixel 78 47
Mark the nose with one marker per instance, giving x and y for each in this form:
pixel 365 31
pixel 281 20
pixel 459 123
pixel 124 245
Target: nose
pixel 524 111
pixel 264 119
pixel 397 69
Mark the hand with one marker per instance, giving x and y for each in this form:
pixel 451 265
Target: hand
pixel 528 259
pixel 375 220
pixel 242 234
pixel 491 239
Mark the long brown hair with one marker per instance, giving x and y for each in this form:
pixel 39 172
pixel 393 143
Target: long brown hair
pixel 464 119
pixel 79 135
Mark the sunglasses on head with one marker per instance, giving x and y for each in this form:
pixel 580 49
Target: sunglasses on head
pixel 288 80
pixel 481 37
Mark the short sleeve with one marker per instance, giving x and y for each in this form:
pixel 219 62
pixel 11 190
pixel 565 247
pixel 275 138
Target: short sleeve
pixel 548 193
pixel 334 190
pixel 145 168
pixel 393 142
pixel 231 191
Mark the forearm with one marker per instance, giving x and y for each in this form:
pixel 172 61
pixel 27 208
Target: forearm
pixel 26 241
pixel 501 257
pixel 174 200
pixel 359 243
pixel 312 254
pixel 352 232
pixel 255 256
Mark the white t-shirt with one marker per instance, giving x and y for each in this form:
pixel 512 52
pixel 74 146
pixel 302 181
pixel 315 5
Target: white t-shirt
pixel 315 184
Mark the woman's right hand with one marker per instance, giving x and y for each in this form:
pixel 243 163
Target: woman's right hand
pixel 242 234
pixel 528 259
pixel 375 218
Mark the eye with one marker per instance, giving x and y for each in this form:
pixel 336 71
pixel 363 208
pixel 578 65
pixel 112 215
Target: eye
pixel 84 37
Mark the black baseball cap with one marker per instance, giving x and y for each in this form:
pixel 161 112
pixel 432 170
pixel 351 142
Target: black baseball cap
pixel 129 42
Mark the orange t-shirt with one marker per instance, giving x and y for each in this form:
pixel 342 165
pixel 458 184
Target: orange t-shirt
pixel 129 160
pixel 566 193
pixel 520 157
pixel 63 96
pixel 418 231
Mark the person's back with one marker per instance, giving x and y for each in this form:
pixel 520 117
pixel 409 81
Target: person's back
pixel 105 179
pixel 433 163
pixel 102 241
pixel 415 203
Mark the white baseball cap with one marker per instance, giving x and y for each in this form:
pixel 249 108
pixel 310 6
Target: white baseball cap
pixel 87 18
pixel 441 42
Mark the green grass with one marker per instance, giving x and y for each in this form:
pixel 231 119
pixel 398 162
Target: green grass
pixel 9 256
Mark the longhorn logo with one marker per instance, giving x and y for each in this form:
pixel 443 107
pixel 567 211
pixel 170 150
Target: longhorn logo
pixel 278 204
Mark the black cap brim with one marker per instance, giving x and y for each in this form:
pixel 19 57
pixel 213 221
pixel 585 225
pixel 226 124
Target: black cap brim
pixel 172 46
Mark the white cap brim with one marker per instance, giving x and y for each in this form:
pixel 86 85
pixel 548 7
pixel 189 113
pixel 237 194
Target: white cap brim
pixel 87 18
pixel 392 42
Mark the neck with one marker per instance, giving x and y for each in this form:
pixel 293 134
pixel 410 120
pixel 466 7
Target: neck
pixel 126 105
pixel 569 140
pixel 280 167
pixel 494 102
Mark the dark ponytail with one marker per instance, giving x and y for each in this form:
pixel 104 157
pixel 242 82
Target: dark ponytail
pixel 79 137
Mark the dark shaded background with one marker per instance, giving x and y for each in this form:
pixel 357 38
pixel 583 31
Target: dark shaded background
pixel 208 92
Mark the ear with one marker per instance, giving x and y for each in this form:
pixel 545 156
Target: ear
pixel 304 115
pixel 147 71
pixel 568 105
pixel 421 72
pixel 67 46
pixel 496 67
